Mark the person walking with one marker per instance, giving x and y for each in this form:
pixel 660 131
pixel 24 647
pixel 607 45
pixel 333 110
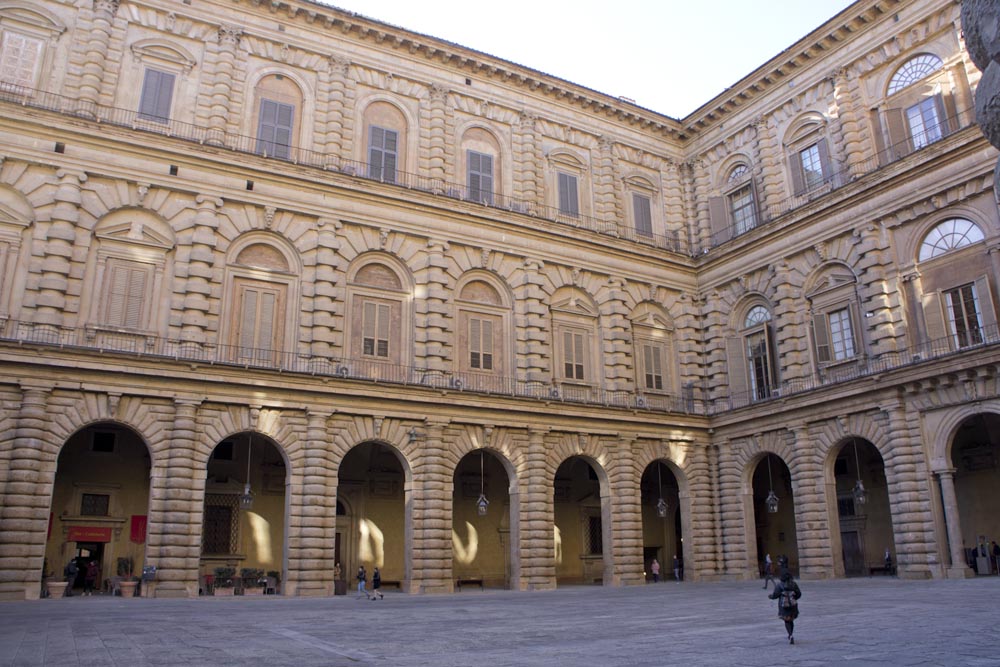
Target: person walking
pixel 677 569
pixel 768 571
pixel 90 579
pixel 362 578
pixel 70 572
pixel 787 593
pixel 655 569
pixel 376 584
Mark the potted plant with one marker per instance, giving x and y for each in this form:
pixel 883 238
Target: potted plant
pixel 224 581
pixel 253 580
pixel 275 576
pixel 128 582
pixel 54 586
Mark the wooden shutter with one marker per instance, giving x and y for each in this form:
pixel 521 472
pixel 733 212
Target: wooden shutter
pixel 948 113
pixel 718 220
pixel 126 295
pixel 567 354
pixel 487 345
pixel 821 335
pixel 389 159
pixel 569 203
pixel 798 174
pixel 578 353
pixel 934 319
pixel 480 176
pixel 376 139
pixel 643 214
pixel 987 309
pixel 267 120
pixel 900 142
pixel 384 326
pixel 826 165
pixel 19 59
pixel 368 328
pixel 283 130
pixel 737 363
pixel 475 347
pixel 857 326
pixel 157 94
pixel 248 318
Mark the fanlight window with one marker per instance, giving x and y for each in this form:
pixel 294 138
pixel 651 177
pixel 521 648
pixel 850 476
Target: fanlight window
pixel 739 172
pixel 949 235
pixel 757 315
pixel 914 70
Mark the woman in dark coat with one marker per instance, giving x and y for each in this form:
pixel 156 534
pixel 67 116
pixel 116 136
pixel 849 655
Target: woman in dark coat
pixel 788 613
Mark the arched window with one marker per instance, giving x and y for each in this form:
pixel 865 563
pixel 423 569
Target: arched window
pixel 836 320
pixel 913 70
pixel 652 334
pixel 949 235
pixel 809 156
pixel 483 323
pixel 28 38
pixel 644 203
pixel 385 129
pixel 377 305
pixel 481 159
pixel 751 357
pixel 575 337
pixel 279 104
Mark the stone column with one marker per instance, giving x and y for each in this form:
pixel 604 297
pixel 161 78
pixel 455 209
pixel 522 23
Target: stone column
pixel 222 86
pixel 538 570
pixel 673 206
pixel 95 55
pixel 617 342
pixel 771 185
pixel 533 331
pixel 312 515
pixel 527 156
pixel 175 517
pixel 438 139
pixel 626 558
pixel 811 525
pixel 201 262
pixel 958 568
pixel 855 133
pixel 433 480
pixel 433 337
pixel 26 500
pixel 60 239
pixel 327 293
pixel 606 200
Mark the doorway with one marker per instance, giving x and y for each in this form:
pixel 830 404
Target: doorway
pixel 854 558
pixel 86 552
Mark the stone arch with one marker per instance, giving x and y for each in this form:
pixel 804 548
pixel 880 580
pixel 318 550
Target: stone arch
pixel 744 305
pixel 675 456
pixel 932 222
pixel 291 259
pixel 942 446
pixel 923 61
pixel 723 176
pixel 503 289
pixel 803 125
pixel 391 261
pixel 383 110
pixel 15 209
pixel 168 50
pixel 32 14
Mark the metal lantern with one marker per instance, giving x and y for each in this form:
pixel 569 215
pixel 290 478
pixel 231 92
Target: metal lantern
pixel 661 504
pixel 860 495
pixel 246 500
pixel 482 504
pixel 772 499
pixel 661 508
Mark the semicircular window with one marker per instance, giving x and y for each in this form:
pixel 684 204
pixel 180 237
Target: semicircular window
pixel 914 70
pixel 949 235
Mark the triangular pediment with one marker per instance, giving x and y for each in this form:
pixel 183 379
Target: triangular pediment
pixel 135 233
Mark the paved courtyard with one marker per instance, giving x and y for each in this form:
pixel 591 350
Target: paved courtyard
pixel 877 621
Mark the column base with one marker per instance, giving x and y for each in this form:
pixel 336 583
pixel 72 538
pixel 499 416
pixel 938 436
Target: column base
pixel 960 572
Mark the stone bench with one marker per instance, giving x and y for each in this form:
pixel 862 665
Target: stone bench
pixel 468 582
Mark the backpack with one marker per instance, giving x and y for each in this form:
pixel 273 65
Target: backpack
pixel 789 605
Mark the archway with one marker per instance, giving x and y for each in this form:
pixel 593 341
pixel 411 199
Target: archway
pixel 582 522
pixel 774 512
pixel 372 532
pixel 975 455
pixel 662 536
pixel 243 526
pixel 100 503
pixel 482 548
pixel 863 511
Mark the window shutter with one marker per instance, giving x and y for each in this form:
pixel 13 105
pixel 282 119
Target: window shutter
pixel 19 58
pixel 737 363
pixel 368 321
pixel 487 346
pixel 935 321
pixel 578 340
pixel 266 123
pixel 248 317
pixel 821 335
pixel 824 159
pixel 475 349
pixel 136 297
pixel 384 320
pixel 376 137
pixel 472 158
pixel 880 141
pixel 643 214
pixel 857 326
pixel 647 365
pixel 389 159
pixel 718 220
pixel 657 368
pixel 284 120
pixel 569 203
pixel 265 320
pixel 157 94
pixel 900 142
pixel 947 112
pixel 567 354
pixel 798 175
pixel 116 299
pixel 986 308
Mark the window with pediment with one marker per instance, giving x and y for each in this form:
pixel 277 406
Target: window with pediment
pixel 575 337
pixel 836 319
pixel 568 188
pixel 162 66
pixel 920 106
pixel 652 335
pixel 642 205
pixel 16 214
pixel 376 304
pixel 956 279
pixel 262 277
pixel 131 258
pixel 483 323
pixel 809 160
pixel 734 211
pixel 751 356
pixel 27 40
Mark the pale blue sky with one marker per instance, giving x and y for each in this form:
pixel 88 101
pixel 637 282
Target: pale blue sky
pixel 670 56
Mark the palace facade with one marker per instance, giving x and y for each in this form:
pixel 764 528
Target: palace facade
pixel 285 288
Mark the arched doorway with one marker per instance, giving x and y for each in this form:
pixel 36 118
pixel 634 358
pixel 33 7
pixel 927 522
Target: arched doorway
pixel 662 537
pixel 975 456
pixel 481 521
pixel 582 522
pixel 100 503
pixel 243 526
pixel 863 512
pixel 774 512
pixel 373 530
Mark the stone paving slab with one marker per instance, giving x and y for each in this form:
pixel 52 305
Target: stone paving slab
pixel 856 622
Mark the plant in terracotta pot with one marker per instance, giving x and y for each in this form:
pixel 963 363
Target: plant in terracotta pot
pixel 253 580
pixel 224 581
pixel 55 587
pixel 128 582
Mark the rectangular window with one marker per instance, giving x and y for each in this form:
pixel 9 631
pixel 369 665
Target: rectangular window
pixel 480 344
pixel 126 293
pixel 963 315
pixel 480 177
pixel 259 312
pixel 157 95
pixel 759 362
pixel 595 537
pixel 94 504
pixel 642 212
pixel 20 57
pixel 841 335
pixel 375 329
pixel 925 122
pixel 218 533
pixel 812 166
pixel 652 362
pixel 741 207
pixel 569 202
pixel 274 129
pixel 382 154
pixel 573 360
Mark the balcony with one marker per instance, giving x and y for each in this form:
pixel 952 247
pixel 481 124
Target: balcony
pixel 168 127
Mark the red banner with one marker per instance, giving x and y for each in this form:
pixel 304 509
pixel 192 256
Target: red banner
pixel 88 534
pixel 138 532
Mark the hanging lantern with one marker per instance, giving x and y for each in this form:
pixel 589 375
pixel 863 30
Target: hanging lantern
pixel 661 508
pixel 772 499
pixel 482 504
pixel 246 500
pixel 860 495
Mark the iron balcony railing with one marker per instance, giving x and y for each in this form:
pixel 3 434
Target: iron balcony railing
pixel 862 367
pixel 168 127
pixel 765 215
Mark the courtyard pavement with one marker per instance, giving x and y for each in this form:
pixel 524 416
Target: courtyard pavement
pixel 871 621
